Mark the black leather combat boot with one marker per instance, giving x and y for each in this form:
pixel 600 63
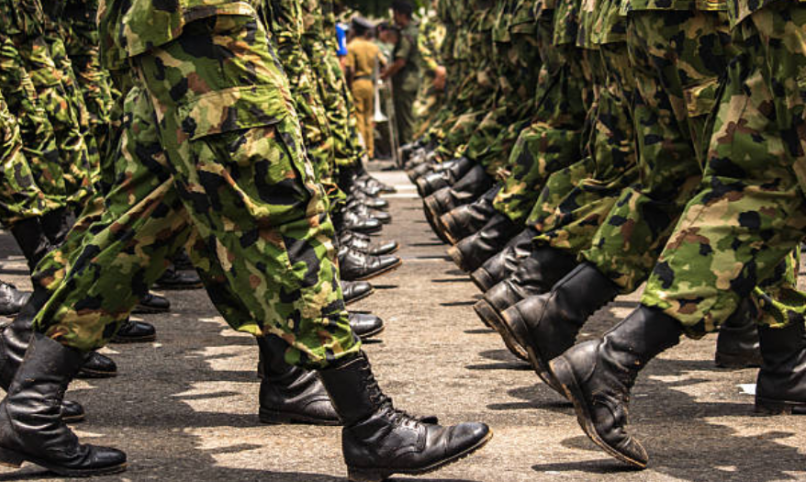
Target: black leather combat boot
pixel 56 224
pixel 173 279
pixel 290 394
pixel 475 183
pixel 737 343
pixel 360 209
pixel 379 440
pixel 14 341
pixel 363 243
pixel 346 220
pixel 152 303
pixel 781 383
pixel 135 332
pixel 372 202
pixel 546 325
pixel 356 266
pixel 470 253
pixel 465 220
pixel 31 425
pixel 353 291
pixel 98 366
pixel 597 377
pixel 32 240
pixel 536 275
pixel 366 325
pixel 367 182
pixel 443 175
pixel 504 264
pixel 11 299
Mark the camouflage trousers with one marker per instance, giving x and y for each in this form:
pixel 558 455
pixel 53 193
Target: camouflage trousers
pixel 36 132
pixel 576 200
pixel 20 196
pixel 218 164
pixel 552 141
pixel 676 85
pixel 59 104
pixel 750 212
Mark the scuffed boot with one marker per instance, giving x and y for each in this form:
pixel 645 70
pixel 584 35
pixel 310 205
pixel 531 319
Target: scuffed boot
pixel 152 303
pixel 470 253
pixel 536 275
pixel 504 264
pixel 475 183
pixel 366 325
pixel 173 279
pixel 597 377
pixel 443 175
pixel 737 343
pixel 14 341
pixel 98 366
pixel 465 220
pixel 56 224
pixel 135 332
pixel 32 240
pixel 364 244
pixel 546 325
pixel 356 266
pixel 379 440
pixel 31 425
pixel 355 290
pixel 11 299
pixel 290 394
pixel 781 383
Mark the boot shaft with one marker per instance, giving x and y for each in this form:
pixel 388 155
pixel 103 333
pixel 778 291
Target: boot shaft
pixel 353 389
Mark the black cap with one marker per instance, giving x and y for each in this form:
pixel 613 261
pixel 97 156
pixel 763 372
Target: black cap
pixel 403 6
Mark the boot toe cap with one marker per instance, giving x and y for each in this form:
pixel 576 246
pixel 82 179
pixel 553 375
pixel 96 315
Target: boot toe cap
pixel 468 435
pixel 72 411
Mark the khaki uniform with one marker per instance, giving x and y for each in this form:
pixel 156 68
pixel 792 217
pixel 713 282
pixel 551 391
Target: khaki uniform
pixel 362 56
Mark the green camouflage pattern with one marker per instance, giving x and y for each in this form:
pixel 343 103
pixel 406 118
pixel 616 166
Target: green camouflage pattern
pixel 552 141
pixel 429 98
pixel 750 213
pixel 676 85
pixel 211 151
pixel 568 216
pixel 20 196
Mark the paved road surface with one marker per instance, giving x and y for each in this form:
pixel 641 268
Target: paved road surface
pixel 184 408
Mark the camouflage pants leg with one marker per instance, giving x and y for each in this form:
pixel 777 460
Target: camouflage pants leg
pixel 20 196
pixel 676 85
pixel 404 114
pixel 460 130
pixel 570 222
pixel 36 131
pixel 54 101
pixel 549 144
pixel 750 213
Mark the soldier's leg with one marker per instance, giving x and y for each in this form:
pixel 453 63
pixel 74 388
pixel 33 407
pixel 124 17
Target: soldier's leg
pixel 748 217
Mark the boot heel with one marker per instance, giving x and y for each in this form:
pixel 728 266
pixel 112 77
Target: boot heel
pixel 11 459
pixel 366 475
pixel 773 407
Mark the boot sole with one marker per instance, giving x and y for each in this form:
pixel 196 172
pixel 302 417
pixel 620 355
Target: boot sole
pixel 378 475
pixel 388 269
pixel 457 258
pixel 129 339
pixel 565 376
pixel 482 279
pixel 360 297
pixel 93 374
pixel 142 310
pixel 779 407
pixel 272 417
pixel 371 334
pixel 11 458
pixel 497 323
pixel 196 286
pixel 533 356
pixel 76 419
pixel 736 362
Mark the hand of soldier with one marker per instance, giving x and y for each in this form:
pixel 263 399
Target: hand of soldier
pixel 440 76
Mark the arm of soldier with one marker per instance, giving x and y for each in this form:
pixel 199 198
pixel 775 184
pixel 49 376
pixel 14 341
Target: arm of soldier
pixel 401 55
pixel 349 67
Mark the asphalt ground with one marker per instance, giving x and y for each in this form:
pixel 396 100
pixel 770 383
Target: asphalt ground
pixel 185 407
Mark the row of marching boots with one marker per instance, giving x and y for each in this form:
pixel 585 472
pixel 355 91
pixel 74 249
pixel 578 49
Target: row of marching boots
pixel 524 283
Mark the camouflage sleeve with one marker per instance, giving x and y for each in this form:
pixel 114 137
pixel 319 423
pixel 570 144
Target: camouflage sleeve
pixel 428 52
